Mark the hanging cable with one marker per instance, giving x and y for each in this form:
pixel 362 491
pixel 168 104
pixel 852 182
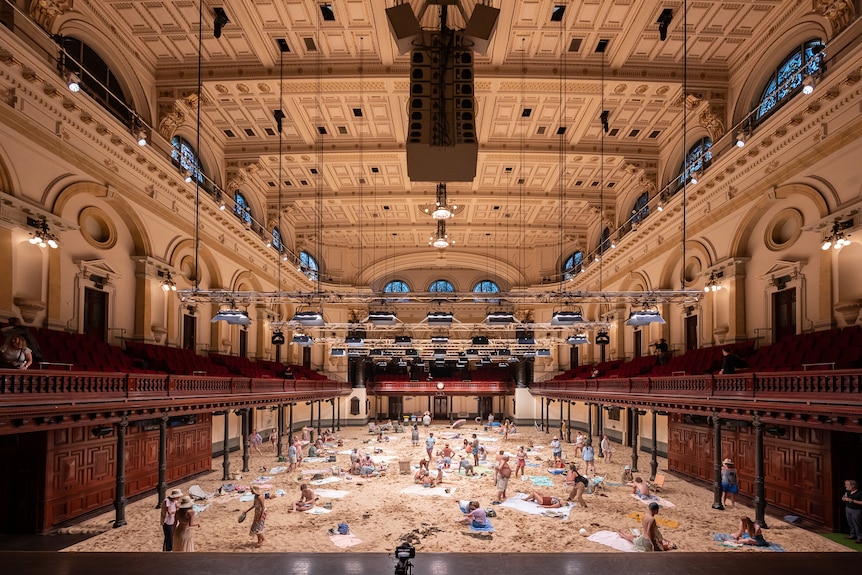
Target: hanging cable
pixel 198 146
pixel 602 181
pixel 684 133
pixel 361 146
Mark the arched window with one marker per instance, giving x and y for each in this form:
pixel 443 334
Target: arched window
pixel 240 208
pixel 641 209
pixel 605 242
pixel 396 286
pixel 698 159
pixel 573 264
pixel 487 286
pixel 96 79
pixel 277 242
pixel 788 77
pixel 308 265
pixel 441 286
pixel 184 156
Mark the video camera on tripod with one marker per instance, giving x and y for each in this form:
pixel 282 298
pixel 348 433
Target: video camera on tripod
pixel 404 553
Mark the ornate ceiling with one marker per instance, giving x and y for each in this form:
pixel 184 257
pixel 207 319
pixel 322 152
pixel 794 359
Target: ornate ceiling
pixel 527 191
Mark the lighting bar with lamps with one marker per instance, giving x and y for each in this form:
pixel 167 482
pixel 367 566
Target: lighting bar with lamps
pixel 232 316
pixel 577 339
pixel 567 317
pixel 439 339
pixel 403 340
pixel 382 318
pixel 498 317
pixel 309 318
pixel 439 317
pixel 302 340
pixel 338 352
pixel 645 316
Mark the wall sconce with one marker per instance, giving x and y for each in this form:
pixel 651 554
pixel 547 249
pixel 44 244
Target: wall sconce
pixel 168 284
pixel 712 283
pixel 73 83
pixel 42 236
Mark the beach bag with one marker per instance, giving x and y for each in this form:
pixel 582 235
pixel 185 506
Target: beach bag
pixel 490 512
pixel 343 529
pixel 242 517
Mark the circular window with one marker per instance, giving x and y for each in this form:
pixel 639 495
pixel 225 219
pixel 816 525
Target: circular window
pixel 783 229
pixel 692 270
pixel 97 228
pixel 187 268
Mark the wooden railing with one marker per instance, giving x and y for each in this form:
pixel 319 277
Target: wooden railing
pixel 35 387
pixel 430 387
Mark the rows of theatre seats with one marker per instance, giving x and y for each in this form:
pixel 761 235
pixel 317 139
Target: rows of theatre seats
pixel 838 348
pixel 63 350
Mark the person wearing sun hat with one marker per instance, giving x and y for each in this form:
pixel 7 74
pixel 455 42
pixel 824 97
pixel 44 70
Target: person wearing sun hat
pixel 183 540
pixel 169 516
pixel 729 483
pixel 259 522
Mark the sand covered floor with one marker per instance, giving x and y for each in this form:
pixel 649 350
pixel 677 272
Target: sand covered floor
pixel 383 511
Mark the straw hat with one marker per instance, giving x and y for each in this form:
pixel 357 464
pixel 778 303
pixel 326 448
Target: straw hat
pixel 255 489
pixel 728 462
pixel 627 468
pixel 186 502
pixel 175 494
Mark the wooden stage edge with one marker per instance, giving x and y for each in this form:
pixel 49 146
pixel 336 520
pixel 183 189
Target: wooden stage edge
pixel 670 563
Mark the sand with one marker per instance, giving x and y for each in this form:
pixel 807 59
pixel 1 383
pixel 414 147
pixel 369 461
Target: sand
pixel 380 516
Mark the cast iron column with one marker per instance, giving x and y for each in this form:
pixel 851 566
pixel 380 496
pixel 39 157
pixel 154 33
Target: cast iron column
pixel 280 425
pixel 590 424
pixel 225 458
pixel 319 415
pixel 244 437
pixel 120 495
pixel 339 414
pixel 653 464
pixel 716 463
pixel 548 416
pixel 759 484
pixel 635 433
pixel 542 413
pixel 332 401
pixel 569 422
pixel 163 459
pixel 290 425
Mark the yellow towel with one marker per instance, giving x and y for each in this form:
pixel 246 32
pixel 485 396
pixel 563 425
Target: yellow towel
pixel 662 522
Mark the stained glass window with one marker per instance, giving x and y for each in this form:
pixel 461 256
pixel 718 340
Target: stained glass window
pixel 396 286
pixel 574 264
pixel 641 209
pixel 240 207
pixel 184 155
pixel 698 159
pixel 308 265
pixel 788 78
pixel 441 286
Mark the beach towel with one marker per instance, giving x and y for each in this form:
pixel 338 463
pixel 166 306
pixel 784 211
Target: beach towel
pixel 517 502
pixel 662 521
pixel 277 470
pixel 612 539
pixel 541 480
pixel 482 470
pixel 261 479
pixel 315 460
pixel 656 498
pixel 331 493
pixel 198 508
pixel 488 528
pixel 325 480
pixel 458 423
pixel 436 491
pixel 246 497
pixel 557 471
pixel 195 492
pixel 347 540
pixel 726 540
pixel 318 511
pixel 326 471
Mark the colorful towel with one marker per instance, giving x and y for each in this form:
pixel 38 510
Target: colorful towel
pixel 261 479
pixel 198 508
pixel 541 480
pixel 726 540
pixel 331 493
pixel 422 490
pixel 343 541
pixel 612 539
pixel 651 498
pixel 662 522
pixel 518 502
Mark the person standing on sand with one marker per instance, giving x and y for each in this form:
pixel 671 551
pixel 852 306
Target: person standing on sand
pixel 521 465
pixel 474 449
pixel 255 441
pixel 185 520
pixel 414 435
pixel 429 445
pixel 259 522
pixel 169 515
pixel 503 474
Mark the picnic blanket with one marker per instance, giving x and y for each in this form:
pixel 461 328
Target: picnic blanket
pixel 541 480
pixel 518 502
pixel 726 540
pixel 420 490
pixel 196 492
pixel 277 470
pixel 331 493
pixel 325 480
pixel 612 539
pixel 647 500
pixel 318 511
pixel 261 479
pixel 348 540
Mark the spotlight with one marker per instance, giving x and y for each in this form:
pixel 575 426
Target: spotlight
pixel 604 119
pixel 808 85
pixel 694 176
pixel 219 21
pixel 740 139
pixel 74 83
pixel 188 176
pixel 141 135
pixel 279 116
pixel 663 21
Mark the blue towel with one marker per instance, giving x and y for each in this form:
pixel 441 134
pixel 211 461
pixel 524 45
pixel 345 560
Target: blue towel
pixel 541 481
pixel 488 528
pixel 723 537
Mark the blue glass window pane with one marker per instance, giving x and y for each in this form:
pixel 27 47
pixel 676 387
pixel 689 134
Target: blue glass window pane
pixel 788 77
pixel 698 158
pixel 574 264
pixel 486 286
pixel 441 286
pixel 396 286
pixel 184 155
pixel 308 265
pixel 641 209
pixel 240 208
pixel 276 240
